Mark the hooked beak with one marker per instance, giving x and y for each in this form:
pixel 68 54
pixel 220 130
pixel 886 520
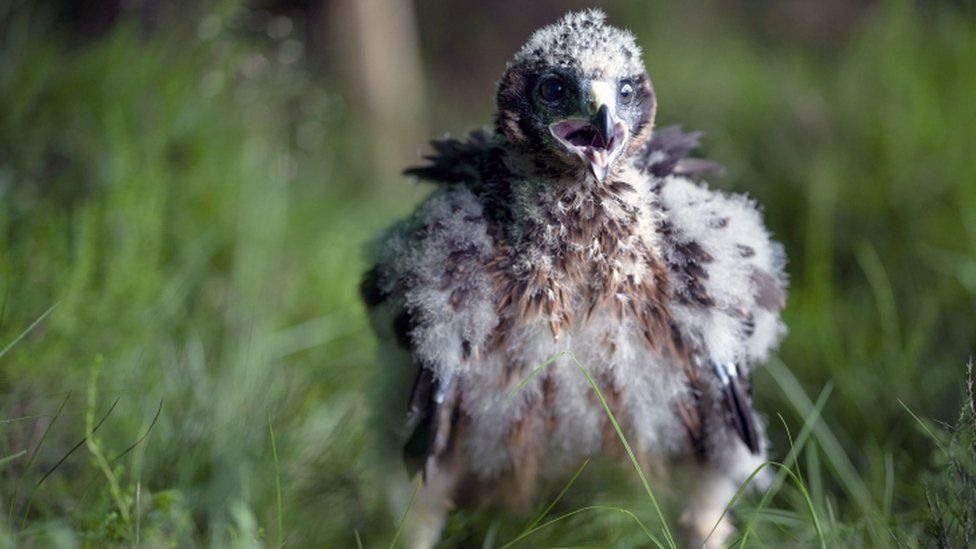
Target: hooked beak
pixel 599 140
pixel 604 123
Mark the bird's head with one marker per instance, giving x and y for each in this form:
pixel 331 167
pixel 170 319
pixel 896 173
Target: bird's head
pixel 577 95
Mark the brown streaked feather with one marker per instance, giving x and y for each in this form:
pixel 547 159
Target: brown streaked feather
pixel 525 444
pixel 647 102
pixel 690 417
pixel 687 267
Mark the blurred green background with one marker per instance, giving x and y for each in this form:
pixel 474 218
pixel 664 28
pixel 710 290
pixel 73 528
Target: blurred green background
pixel 185 192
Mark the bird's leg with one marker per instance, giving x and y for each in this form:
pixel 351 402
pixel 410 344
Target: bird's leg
pixel 704 522
pixel 425 519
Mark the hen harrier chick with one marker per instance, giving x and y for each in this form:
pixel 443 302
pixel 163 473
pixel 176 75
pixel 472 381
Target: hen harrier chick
pixel 571 229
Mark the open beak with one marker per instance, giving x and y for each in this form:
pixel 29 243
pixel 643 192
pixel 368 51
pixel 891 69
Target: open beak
pixel 598 140
pixel 604 123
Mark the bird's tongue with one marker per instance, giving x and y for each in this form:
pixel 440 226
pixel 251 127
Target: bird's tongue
pixel 599 157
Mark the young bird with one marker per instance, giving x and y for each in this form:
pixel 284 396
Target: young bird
pixel 573 230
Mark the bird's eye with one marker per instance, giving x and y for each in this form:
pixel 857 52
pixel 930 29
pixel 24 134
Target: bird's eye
pixel 552 89
pixel 626 90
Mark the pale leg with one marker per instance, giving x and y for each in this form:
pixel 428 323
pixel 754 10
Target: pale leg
pixel 704 522
pixel 426 517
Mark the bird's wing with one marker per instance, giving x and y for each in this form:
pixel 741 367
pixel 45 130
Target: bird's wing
pixel 736 392
pixel 728 284
pixel 429 297
pixel 465 160
pixel 666 153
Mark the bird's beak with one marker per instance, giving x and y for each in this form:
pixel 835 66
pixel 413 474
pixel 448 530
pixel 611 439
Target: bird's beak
pixel 604 122
pixel 602 103
pixel 598 140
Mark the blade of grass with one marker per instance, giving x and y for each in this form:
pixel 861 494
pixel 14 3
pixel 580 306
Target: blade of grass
pixel 808 425
pixel 792 458
pixel 489 540
pixel 814 476
pixel 64 458
pixel 138 511
pixel 562 517
pixel 565 489
pixel 94 476
pixel 30 461
pixel 27 331
pixel 884 298
pixel 935 438
pixel 620 434
pixel 37 416
pixel 277 473
pixel 630 452
pixel 144 436
pixel 12 457
pixel 889 485
pixel 789 436
pixel 6 299
pixel 403 519
pixel 799 485
pixel 837 458
pixel 535 372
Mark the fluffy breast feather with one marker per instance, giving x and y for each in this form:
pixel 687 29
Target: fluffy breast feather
pixel 727 273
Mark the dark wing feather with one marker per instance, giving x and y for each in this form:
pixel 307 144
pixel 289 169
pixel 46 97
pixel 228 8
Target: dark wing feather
pixel 421 413
pixel 697 167
pixel 432 407
pixel 370 289
pixel 738 405
pixel 667 153
pixel 477 162
pixel 457 161
pixel 423 419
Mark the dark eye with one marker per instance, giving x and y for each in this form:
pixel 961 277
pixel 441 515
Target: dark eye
pixel 626 90
pixel 552 89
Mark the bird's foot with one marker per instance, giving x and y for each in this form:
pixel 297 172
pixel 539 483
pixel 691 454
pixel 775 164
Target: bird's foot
pixel 705 530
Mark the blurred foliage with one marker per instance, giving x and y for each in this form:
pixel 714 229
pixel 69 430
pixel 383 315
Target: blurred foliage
pixel 190 204
pixel 175 196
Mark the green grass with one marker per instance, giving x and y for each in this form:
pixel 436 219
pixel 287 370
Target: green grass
pixel 185 360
